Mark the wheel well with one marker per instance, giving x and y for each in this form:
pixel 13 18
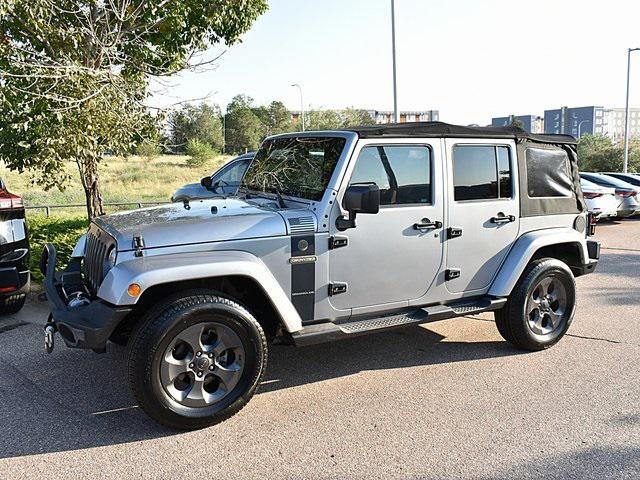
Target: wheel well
pixel 241 289
pixel 569 253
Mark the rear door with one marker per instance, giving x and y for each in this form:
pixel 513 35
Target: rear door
pixel 483 207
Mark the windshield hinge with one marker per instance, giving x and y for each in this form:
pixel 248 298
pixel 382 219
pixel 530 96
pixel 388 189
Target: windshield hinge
pixel 138 244
pixel 337 241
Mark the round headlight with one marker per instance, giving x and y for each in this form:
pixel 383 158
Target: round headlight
pixel 111 259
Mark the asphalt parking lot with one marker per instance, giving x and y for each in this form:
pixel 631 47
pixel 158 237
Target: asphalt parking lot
pixel 444 400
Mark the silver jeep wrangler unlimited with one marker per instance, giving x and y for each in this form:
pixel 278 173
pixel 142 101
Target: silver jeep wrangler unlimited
pixel 331 235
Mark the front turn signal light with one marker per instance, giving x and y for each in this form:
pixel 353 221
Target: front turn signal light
pixel 134 290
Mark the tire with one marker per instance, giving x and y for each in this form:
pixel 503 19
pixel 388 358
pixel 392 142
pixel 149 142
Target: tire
pixel 540 308
pixel 12 304
pixel 189 333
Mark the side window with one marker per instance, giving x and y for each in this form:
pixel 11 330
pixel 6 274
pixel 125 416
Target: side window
pixel 481 172
pixel 403 173
pixel 548 173
pixel 234 173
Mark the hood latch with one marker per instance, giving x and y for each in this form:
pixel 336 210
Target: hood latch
pixel 138 244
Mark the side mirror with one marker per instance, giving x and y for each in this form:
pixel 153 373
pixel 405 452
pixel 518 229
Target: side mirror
pixel 359 198
pixel 206 182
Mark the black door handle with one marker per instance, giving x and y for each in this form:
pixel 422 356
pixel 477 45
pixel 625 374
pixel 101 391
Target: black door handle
pixel 426 224
pixel 502 218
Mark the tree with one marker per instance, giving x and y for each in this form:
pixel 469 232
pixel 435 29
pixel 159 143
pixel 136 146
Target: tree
pixel 598 153
pixel 323 120
pixel 353 117
pixel 275 118
pixel 202 122
pixel 244 128
pixel 74 75
pixel 516 122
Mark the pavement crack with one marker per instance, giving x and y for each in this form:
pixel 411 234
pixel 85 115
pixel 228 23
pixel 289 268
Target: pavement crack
pixel 598 339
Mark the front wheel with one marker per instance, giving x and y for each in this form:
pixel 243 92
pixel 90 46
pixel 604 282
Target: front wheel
pixel 541 307
pixel 196 360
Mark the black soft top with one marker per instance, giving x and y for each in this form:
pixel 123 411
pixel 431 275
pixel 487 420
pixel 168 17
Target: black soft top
pixel 441 129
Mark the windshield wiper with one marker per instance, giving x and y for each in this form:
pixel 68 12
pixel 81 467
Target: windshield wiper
pixel 251 192
pixel 281 203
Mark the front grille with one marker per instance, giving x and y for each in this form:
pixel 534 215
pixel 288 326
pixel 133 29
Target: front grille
pixel 95 256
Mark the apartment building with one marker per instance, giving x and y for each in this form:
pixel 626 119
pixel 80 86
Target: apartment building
pixel 386 116
pixel 592 120
pixel 531 123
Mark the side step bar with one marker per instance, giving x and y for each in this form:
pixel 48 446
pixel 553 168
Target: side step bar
pixel 327 332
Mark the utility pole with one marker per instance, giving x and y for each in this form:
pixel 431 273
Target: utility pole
pixel 396 115
pixel 301 104
pixel 625 165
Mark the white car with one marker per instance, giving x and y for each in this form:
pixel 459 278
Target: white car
pixel 601 201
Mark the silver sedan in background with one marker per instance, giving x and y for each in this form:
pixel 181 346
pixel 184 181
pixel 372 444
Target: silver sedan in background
pixel 601 201
pixel 626 193
pixel 223 182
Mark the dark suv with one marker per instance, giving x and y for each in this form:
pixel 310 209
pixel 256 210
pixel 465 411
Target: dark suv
pixel 14 252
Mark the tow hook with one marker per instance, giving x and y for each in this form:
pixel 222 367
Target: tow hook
pixel 49 332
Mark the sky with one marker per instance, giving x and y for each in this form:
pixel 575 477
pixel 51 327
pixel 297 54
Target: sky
pixel 469 59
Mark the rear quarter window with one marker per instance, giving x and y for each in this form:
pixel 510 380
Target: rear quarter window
pixel 548 173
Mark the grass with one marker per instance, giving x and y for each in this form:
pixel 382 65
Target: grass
pixel 122 180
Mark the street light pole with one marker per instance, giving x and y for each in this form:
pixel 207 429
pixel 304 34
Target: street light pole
pixel 396 116
pixel 626 112
pixel 301 103
pixel 580 125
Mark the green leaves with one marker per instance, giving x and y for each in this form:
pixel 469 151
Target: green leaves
pixel 598 153
pixel 74 75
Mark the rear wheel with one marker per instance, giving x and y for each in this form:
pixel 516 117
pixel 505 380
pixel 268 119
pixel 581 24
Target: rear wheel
pixel 12 304
pixel 197 361
pixel 541 307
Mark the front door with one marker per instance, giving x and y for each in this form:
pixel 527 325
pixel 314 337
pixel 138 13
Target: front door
pixel 483 211
pixel 395 255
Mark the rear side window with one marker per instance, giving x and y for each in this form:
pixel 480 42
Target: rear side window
pixel 403 173
pixel 548 173
pixel 481 172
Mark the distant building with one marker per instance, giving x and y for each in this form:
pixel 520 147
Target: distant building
pixel 531 123
pixel 592 120
pixel 614 123
pixel 386 116
pixel 575 121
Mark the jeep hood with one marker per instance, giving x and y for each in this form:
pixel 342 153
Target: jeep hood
pixel 205 221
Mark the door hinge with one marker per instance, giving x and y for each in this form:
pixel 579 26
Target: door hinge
pixel 337 288
pixel 451 274
pixel 337 242
pixel 454 232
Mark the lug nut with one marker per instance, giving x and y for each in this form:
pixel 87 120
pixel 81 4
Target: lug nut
pixel 210 355
pixel 198 354
pixel 199 374
pixel 191 365
pixel 211 367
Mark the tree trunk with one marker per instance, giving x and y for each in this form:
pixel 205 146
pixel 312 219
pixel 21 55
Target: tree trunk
pixel 90 183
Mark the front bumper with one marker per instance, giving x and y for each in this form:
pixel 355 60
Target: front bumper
pixel 84 326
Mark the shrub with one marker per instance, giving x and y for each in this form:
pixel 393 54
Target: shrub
pixel 148 149
pixel 62 231
pixel 199 152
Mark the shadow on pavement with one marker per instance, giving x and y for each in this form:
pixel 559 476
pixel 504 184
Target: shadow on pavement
pixel 589 463
pixel 77 399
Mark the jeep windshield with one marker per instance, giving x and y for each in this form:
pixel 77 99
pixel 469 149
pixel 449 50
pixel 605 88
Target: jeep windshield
pixel 295 166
